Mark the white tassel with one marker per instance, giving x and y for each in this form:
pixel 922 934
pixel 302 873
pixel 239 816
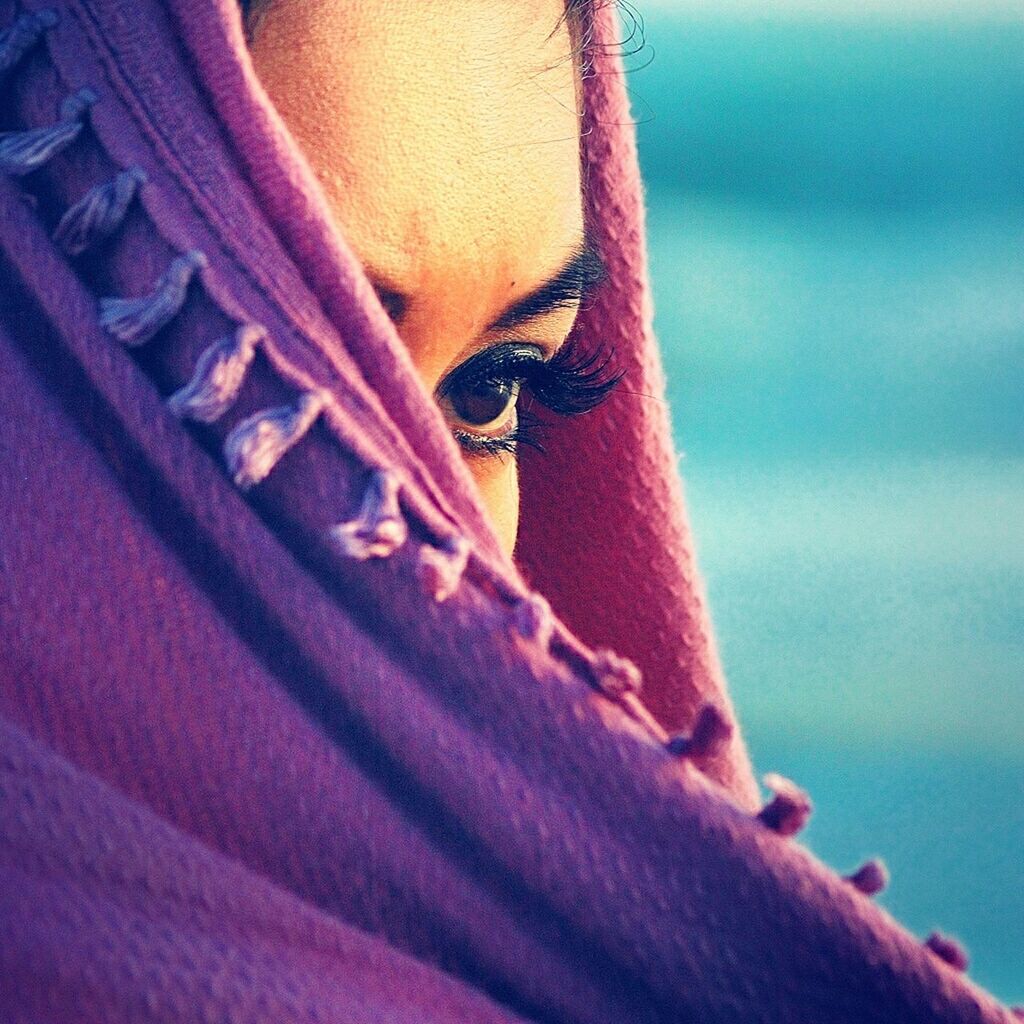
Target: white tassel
pixel 946 948
pixel 380 528
pixel 25 151
pixel 134 321
pixel 441 569
pixel 711 734
pixel 615 675
pixel 256 445
pixel 533 619
pixel 218 376
pixel 870 878
pixel 788 811
pixel 26 31
pixel 99 213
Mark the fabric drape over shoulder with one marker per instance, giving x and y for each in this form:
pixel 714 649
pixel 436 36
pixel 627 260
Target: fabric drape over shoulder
pixel 283 736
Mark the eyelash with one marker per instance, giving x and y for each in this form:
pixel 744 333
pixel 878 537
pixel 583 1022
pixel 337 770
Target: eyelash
pixel 569 383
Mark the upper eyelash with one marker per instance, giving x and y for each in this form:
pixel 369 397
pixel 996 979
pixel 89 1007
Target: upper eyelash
pixel 573 382
pixel 569 383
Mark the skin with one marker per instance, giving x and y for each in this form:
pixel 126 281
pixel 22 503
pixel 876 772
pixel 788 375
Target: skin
pixel 448 148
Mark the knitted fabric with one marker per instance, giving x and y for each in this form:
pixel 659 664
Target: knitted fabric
pixel 282 734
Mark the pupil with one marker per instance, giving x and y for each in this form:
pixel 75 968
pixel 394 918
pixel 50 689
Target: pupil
pixel 481 403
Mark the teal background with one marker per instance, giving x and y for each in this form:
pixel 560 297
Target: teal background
pixel 836 222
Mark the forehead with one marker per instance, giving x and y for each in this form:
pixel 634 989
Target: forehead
pixel 446 135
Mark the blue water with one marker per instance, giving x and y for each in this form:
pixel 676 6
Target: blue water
pixel 836 219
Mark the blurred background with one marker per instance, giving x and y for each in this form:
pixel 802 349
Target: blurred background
pixel 836 221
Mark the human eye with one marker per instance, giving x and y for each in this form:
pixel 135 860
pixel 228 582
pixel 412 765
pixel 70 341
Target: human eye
pixel 481 398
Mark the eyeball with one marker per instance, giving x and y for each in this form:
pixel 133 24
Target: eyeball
pixel 482 403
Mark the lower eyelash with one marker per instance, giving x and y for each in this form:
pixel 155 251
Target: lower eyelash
pixel 525 432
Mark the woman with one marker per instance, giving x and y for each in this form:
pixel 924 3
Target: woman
pixel 482 269
pixel 286 734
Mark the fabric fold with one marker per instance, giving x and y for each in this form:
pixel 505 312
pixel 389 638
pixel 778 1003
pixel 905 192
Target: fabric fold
pixel 256 768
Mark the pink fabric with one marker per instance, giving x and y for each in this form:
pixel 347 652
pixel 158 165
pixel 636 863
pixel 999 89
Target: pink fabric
pixel 248 774
pixel 620 568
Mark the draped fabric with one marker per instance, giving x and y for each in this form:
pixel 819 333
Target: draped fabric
pixel 283 736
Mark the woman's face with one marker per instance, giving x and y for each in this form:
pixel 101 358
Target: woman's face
pixel 446 137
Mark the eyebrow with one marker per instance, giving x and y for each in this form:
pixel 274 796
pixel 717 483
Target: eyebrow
pixel 573 283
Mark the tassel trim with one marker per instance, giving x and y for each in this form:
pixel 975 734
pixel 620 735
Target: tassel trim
pixel 99 213
pixel 380 528
pixel 256 445
pixel 440 569
pixel 25 151
pixel 711 732
pixel 218 376
pixel 133 322
pixel 871 878
pixel 948 950
pixel 788 811
pixel 26 31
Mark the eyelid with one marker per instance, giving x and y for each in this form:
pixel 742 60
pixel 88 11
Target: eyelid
pixel 499 359
pixel 570 382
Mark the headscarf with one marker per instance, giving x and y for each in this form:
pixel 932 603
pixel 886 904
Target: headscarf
pixel 283 735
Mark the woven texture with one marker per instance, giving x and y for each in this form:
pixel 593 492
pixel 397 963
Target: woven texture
pixel 282 735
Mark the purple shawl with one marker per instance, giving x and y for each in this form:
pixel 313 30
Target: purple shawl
pixel 283 737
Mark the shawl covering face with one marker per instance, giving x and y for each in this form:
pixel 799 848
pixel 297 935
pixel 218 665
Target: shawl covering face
pixel 283 737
